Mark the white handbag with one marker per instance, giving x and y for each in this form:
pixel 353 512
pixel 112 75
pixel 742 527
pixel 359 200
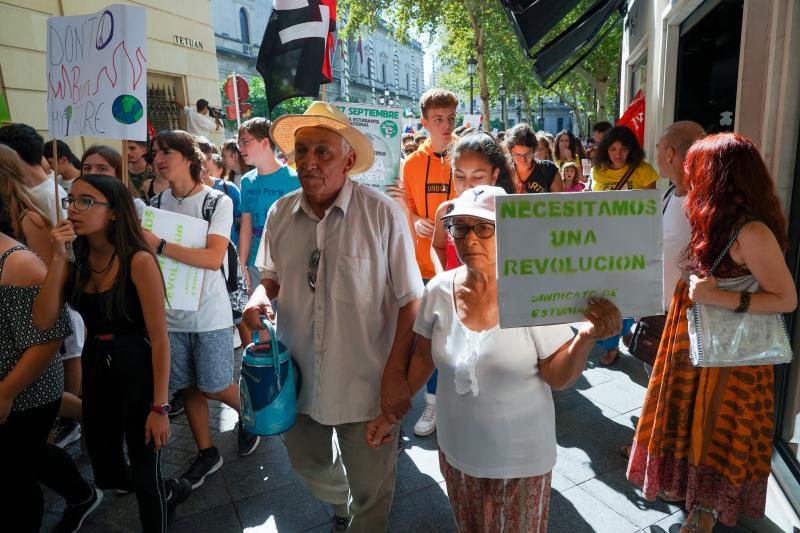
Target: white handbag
pixel 720 337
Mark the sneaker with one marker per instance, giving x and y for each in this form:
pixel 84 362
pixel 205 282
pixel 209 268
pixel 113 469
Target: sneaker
pixel 74 515
pixel 178 491
pixel 339 523
pixel 66 432
pixel 176 406
pixel 427 422
pixel 246 442
pixel 206 463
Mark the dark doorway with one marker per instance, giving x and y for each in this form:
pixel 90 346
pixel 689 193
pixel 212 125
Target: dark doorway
pixel 708 65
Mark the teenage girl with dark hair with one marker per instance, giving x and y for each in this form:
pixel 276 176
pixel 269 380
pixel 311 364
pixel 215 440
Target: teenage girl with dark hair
pixel 477 159
pixel 234 162
pixel 531 174
pixel 116 286
pixel 569 149
pixel 66 166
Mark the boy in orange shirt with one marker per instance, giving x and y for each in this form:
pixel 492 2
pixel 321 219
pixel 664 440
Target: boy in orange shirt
pixel 427 179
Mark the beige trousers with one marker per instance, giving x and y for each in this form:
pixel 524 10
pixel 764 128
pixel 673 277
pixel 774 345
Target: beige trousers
pixel 355 479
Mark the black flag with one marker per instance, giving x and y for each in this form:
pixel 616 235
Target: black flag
pixel 293 49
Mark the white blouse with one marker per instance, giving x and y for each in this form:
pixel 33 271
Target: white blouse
pixel 495 416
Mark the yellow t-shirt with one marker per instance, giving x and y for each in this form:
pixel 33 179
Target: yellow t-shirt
pixel 606 179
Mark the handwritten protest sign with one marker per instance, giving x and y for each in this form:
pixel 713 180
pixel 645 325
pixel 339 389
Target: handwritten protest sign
pixel 97 74
pixel 472 121
pixel 382 126
pixel 183 283
pixel 556 250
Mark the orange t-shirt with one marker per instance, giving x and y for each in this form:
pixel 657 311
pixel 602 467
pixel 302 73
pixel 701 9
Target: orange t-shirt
pixel 428 182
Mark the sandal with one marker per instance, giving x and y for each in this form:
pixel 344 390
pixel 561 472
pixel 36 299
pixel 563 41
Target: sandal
pixel 608 361
pixel 694 517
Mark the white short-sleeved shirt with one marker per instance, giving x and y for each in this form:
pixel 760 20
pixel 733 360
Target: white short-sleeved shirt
pixel 215 304
pixel 677 233
pixel 340 334
pixel 198 123
pixel 508 430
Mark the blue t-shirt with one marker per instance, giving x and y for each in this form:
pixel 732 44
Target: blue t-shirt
pixel 259 192
pixel 233 193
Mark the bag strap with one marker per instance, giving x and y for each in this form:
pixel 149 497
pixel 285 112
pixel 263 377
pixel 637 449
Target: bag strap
pixel 155 201
pixel 667 197
pixel 727 248
pixel 6 254
pixel 624 179
pixel 210 204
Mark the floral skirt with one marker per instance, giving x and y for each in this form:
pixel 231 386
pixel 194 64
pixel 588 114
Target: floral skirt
pixel 705 433
pixel 482 505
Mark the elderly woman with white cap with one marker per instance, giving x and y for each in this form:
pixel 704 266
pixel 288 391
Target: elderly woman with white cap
pixel 496 421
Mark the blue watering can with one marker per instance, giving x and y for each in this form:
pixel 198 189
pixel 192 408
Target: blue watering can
pixel 267 389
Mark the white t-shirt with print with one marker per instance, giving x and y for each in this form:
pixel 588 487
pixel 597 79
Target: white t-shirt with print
pixel 214 311
pixel 508 429
pixel 677 232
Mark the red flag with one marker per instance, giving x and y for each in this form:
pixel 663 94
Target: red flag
pixel 330 43
pixel 634 117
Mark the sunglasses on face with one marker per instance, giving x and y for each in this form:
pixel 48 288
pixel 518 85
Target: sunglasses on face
pixel 313 267
pixel 527 156
pixel 82 203
pixel 484 230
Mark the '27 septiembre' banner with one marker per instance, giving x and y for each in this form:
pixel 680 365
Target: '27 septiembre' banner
pixel 382 126
pixel 556 250
pixel 97 74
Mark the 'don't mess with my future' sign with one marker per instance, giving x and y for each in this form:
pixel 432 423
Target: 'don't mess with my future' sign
pixel 554 251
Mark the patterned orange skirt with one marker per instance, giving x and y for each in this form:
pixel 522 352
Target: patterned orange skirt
pixel 705 433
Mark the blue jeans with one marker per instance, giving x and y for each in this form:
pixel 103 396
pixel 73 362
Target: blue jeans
pixel 613 342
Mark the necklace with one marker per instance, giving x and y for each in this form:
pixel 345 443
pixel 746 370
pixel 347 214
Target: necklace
pixel 182 198
pixel 107 266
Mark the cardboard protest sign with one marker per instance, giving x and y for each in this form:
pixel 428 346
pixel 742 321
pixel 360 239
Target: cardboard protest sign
pixel 97 74
pixel 183 283
pixel 382 126
pixel 555 250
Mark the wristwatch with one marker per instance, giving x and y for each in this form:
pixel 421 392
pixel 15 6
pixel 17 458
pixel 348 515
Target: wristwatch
pixel 161 409
pixel 161 246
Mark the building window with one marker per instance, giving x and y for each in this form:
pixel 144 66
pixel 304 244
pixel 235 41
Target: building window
pixel 370 68
pixel 384 60
pixel 244 25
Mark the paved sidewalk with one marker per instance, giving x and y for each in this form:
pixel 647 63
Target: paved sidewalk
pixel 260 493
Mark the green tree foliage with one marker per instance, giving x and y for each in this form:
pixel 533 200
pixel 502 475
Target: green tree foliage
pixel 479 28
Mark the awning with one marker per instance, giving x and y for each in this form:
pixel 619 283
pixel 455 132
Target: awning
pixel 533 19
pixel 582 36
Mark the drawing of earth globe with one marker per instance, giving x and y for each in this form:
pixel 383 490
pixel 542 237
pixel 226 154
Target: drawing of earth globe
pixel 127 109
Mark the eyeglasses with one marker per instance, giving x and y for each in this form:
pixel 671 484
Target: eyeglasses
pixel 484 230
pixel 313 267
pixel 82 203
pixel 527 156
pixel 244 142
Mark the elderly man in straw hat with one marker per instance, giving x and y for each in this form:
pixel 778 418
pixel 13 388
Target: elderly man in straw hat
pixel 339 259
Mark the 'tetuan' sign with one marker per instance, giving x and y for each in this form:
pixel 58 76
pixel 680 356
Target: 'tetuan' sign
pixel 556 250
pixel 187 42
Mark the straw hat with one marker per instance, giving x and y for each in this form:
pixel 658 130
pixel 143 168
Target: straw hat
pixel 323 115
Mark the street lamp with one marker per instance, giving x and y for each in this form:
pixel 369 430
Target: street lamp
pixel 502 92
pixel 472 65
pixel 519 109
pixel 382 100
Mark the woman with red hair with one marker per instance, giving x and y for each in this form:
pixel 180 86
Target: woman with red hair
pixel 705 434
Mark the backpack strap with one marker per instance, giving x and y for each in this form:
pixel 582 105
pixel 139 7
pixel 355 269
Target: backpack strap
pixel 6 254
pixel 155 201
pixel 667 197
pixel 210 204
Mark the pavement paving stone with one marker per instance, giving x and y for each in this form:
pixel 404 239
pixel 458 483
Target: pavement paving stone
pixel 577 511
pixel 287 508
pixel 426 510
pixel 620 394
pixel 221 519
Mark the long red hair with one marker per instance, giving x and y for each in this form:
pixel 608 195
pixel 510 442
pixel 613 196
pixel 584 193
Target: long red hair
pixel 729 184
